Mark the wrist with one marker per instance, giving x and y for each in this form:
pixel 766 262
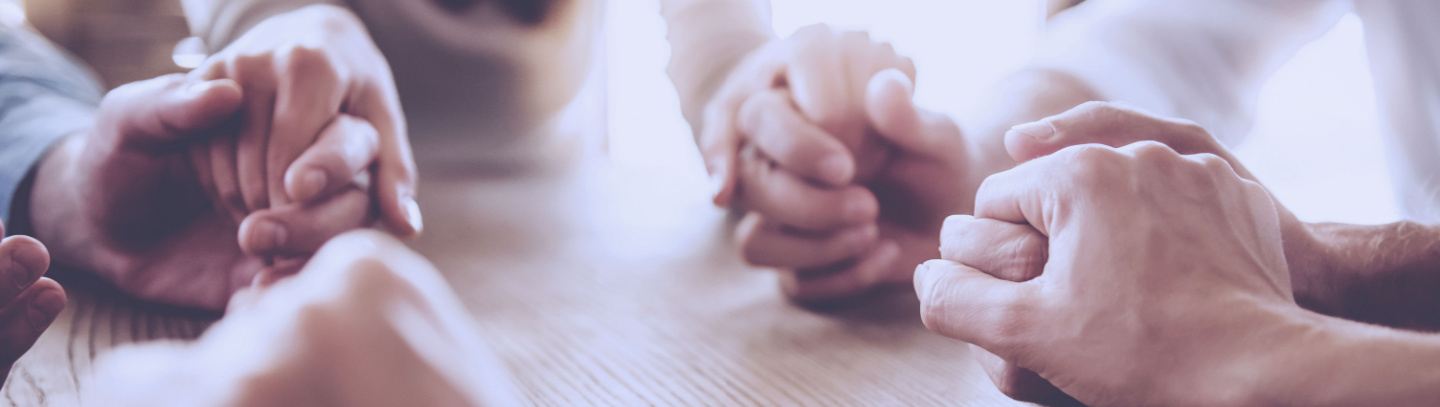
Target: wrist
pixel 1323 361
pixel 54 201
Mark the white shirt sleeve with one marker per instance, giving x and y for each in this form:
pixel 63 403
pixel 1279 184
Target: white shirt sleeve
pixel 707 39
pixel 221 22
pixel 1202 60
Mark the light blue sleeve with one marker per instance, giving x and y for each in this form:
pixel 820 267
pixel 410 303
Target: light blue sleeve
pixel 45 94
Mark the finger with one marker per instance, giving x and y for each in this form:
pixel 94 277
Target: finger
pixel 24 319
pixel 1114 125
pixel 1026 194
pixel 768 244
pixel 22 261
pixel 1014 252
pixel 257 76
pixel 966 304
pixel 169 108
pixel 771 122
pixel 226 178
pixel 847 279
pixel 296 229
pixel 892 112
pixel 346 147
pixel 719 144
pixel 1019 383
pixel 396 176
pixel 789 200
pixel 308 97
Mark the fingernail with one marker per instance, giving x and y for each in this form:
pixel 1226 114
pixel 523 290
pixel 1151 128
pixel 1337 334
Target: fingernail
pixel 268 235
pixel 311 184
pixel 717 182
pixel 44 308
pixel 412 213
pixel 195 90
pixel 857 209
pixel 18 272
pixel 1041 130
pixel 836 169
pixel 862 237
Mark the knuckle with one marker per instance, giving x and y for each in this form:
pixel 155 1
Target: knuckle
pixel 1091 165
pixel 304 59
pixel 1151 149
pixel 1096 109
pixel 1029 255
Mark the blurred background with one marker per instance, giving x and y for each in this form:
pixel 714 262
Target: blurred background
pixel 1315 143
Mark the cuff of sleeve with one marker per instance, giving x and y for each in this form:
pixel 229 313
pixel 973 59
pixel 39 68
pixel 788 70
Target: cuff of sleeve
pixel 28 132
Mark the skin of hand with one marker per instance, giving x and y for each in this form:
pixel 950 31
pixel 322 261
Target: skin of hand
pixel 796 138
pixel 301 73
pixel 368 322
pixel 1335 269
pixel 129 200
pixel 31 302
pixel 1165 277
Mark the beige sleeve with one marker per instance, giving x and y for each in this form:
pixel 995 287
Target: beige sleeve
pixel 707 39
pixel 221 22
pixel 1200 60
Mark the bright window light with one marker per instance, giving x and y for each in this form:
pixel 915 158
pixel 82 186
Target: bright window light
pixel 12 12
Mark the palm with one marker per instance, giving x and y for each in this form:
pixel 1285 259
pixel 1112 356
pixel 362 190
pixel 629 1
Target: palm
pixel 163 238
pixel 127 203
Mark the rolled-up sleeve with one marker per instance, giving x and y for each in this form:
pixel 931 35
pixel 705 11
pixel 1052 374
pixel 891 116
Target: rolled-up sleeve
pixel 220 22
pixel 45 94
pixel 1199 60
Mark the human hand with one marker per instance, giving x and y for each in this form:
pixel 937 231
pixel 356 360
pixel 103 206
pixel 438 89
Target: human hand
pixel 1163 274
pixel 925 177
pixel 796 137
pixel 301 71
pixel 28 302
pixel 367 323
pixel 128 200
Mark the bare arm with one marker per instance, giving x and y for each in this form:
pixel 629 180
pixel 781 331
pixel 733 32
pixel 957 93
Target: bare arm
pixel 1334 362
pixel 1383 274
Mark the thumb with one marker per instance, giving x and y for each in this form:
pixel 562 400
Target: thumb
pixel 889 103
pixel 1111 124
pixel 169 108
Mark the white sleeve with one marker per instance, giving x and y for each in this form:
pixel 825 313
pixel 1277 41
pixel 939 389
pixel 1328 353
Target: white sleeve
pixel 707 39
pixel 1202 60
pixel 221 22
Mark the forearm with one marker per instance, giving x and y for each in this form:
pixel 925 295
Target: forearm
pixel 47 96
pixel 221 22
pixel 1327 361
pixel 708 38
pixel 1384 274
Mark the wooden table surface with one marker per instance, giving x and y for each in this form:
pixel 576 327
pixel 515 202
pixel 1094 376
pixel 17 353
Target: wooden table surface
pixel 599 285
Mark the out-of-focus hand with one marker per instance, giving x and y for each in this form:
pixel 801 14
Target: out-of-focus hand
pixel 1164 274
pixel 368 322
pixel 924 178
pixel 28 302
pixel 126 200
pixel 798 138
pixel 302 72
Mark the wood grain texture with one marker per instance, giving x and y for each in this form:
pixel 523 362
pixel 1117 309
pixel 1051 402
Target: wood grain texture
pixel 602 286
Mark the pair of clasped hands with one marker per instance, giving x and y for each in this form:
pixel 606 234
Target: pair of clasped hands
pixel 193 186
pixel 1121 246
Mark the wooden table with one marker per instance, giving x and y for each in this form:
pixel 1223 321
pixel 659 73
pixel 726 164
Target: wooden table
pixel 600 285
